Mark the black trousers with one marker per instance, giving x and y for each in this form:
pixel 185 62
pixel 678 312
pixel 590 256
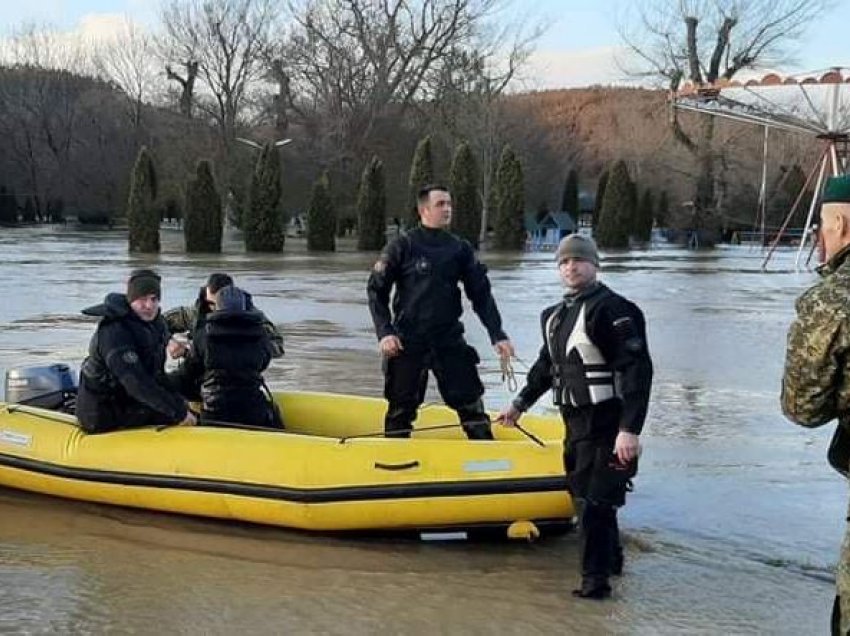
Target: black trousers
pixel 454 367
pixel 599 485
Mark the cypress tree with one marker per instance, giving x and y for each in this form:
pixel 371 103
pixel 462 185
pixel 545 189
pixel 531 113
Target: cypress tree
pixel 466 203
pixel 263 219
pixel 510 198
pixel 612 230
pixel 642 226
pixel 662 212
pixel 202 226
pixel 28 213
pixel 421 173
pixel 321 221
pixel 142 213
pixel 600 196
pixel 372 207
pixel 569 201
pixel 8 207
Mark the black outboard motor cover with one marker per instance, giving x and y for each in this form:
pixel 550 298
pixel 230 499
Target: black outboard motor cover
pixel 51 387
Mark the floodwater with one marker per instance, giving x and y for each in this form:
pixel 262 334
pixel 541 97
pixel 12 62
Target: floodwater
pixel 734 526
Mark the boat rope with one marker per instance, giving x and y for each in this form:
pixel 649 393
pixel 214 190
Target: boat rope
pixel 508 375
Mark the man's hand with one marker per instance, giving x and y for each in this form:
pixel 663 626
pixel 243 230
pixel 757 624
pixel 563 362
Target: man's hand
pixel 626 447
pixel 509 416
pixel 390 346
pixel 189 420
pixel 176 349
pixel 504 349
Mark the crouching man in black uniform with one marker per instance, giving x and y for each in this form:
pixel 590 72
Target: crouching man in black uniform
pixel 424 331
pixel 227 359
pixel 596 361
pixel 122 381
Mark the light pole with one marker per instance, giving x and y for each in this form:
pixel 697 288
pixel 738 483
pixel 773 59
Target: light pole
pixel 254 144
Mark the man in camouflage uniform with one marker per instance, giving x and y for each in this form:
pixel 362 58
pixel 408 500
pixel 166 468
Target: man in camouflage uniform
pixel 816 382
pixel 191 319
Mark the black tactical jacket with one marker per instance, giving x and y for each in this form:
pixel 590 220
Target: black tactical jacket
pixel 125 369
pixel 594 322
pixel 426 267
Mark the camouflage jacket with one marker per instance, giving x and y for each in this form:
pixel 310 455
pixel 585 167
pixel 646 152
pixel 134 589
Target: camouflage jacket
pixel 816 381
pixel 186 320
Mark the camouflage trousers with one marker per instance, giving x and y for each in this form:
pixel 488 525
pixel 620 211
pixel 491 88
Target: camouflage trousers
pixel 843 580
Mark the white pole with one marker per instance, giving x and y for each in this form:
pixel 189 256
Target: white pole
pixel 812 205
pixel 763 190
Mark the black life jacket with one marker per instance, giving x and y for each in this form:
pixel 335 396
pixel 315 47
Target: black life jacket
pixel 581 374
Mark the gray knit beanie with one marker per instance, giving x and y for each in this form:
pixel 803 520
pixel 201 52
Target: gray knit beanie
pixel 576 246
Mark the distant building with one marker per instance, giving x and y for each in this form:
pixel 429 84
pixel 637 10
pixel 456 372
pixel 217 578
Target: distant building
pixel 546 234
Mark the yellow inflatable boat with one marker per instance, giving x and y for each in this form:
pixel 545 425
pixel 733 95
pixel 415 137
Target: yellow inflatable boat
pixel 331 470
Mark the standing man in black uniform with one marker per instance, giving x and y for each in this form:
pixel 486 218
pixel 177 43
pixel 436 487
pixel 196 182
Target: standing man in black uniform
pixel 596 361
pixel 423 331
pixel 227 360
pixel 122 381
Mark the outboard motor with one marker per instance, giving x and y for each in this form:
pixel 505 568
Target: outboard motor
pixel 52 387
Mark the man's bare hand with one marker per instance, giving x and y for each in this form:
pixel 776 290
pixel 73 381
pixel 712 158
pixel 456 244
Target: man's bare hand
pixel 509 416
pixel 390 346
pixel 504 349
pixel 176 349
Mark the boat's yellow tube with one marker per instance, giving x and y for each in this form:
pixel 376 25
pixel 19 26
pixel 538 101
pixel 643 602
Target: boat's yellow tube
pixel 307 477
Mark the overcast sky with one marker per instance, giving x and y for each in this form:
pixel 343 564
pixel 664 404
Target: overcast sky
pixel 580 46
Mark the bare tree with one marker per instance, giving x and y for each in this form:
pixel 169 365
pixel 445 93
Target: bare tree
pixel 351 63
pixel 187 85
pixel 227 39
pixel 704 41
pixel 40 107
pixel 127 61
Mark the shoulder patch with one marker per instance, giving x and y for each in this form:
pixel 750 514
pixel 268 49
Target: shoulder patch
pixel 130 357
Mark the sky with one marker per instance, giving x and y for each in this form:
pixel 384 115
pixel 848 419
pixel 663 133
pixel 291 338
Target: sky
pixel 580 46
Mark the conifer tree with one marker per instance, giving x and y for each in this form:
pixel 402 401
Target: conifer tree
pixel 202 226
pixel 466 203
pixel 321 220
pixel 569 200
pixel 142 212
pixel 642 226
pixel 421 173
pixel 262 220
pixel 662 212
pixel 8 207
pixel 612 230
pixel 510 201
pixel 372 207
pixel 600 196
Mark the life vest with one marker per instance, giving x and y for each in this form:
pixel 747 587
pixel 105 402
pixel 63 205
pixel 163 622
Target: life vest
pixel 581 375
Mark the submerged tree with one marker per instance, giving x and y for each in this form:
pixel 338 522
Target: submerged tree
pixel 600 196
pixel 321 219
pixel 569 200
pixel 642 223
pixel 263 219
pixel 372 207
pixel 203 222
pixel 466 202
pixel 510 203
pixel 421 173
pixel 615 215
pixel 142 212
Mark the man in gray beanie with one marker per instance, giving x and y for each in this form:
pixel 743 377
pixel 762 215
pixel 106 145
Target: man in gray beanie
pixel 122 381
pixel 595 360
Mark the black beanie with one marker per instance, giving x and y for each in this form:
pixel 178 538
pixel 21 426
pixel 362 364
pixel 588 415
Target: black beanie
pixel 143 282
